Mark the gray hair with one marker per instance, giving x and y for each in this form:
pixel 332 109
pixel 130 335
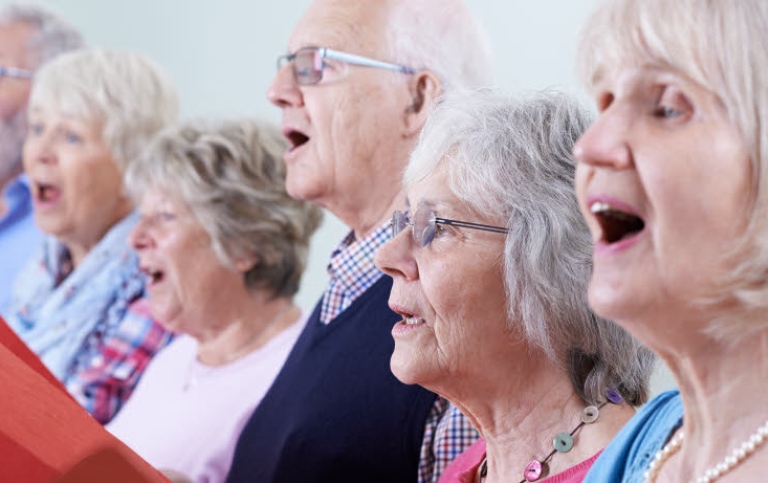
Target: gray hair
pixel 232 176
pixel 124 91
pixel 443 37
pixel 52 35
pixel 510 159
pixel 713 43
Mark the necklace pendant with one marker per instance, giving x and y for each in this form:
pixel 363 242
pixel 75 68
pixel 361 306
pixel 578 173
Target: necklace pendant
pixel 533 471
pixel 563 442
pixel 589 414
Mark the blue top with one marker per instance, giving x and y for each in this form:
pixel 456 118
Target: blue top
pixel 19 237
pixel 627 457
pixel 336 413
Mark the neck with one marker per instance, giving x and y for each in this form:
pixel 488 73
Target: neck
pixel 364 221
pixel 251 326
pixel 723 392
pixel 522 415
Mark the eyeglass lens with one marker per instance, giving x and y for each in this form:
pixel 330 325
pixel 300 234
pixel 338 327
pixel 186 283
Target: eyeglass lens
pixel 423 223
pixel 308 66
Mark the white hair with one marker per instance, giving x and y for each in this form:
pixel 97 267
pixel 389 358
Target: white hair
pixel 510 159
pixel 125 91
pixel 52 34
pixel 441 36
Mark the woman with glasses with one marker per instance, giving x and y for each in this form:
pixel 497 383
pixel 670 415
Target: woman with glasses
pixel 673 182
pixel 490 263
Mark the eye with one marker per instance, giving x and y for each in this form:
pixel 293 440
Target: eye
pixel 673 105
pixel 35 129
pixel 71 137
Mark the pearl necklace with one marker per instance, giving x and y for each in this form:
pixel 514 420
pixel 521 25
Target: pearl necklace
pixel 737 456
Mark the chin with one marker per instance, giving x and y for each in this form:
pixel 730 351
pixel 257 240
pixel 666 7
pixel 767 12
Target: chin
pixel 407 369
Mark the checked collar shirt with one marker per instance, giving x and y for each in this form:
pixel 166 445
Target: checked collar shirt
pixel 447 432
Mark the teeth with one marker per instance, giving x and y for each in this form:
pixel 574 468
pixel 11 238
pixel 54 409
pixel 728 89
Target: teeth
pixel 412 321
pixel 598 207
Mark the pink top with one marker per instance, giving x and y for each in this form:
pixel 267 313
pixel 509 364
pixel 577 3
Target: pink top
pixel 464 468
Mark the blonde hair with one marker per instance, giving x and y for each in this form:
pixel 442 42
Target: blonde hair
pixel 125 91
pixel 719 45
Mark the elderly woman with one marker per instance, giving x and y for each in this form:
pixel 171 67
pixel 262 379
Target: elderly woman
pixel 223 247
pixel 90 114
pixel 490 277
pixel 673 182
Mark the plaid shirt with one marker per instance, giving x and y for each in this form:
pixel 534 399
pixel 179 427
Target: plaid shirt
pixel 90 325
pixel 447 433
pixel 107 371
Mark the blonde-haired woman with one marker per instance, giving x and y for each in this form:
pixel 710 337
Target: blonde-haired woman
pixel 673 180
pixel 78 303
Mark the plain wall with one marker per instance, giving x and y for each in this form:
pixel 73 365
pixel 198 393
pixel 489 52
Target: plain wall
pixel 222 55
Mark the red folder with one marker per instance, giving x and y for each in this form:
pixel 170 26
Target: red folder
pixel 45 435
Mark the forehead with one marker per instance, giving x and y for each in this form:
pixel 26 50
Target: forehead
pixel 14 38
pixel 352 25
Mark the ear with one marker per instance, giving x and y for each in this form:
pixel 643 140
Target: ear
pixel 425 90
pixel 243 264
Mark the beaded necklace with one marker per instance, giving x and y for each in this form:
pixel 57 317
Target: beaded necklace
pixel 561 443
pixel 731 461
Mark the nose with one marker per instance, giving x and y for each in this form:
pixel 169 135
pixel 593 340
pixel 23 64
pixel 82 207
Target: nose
pixel 606 143
pixel 395 257
pixel 37 149
pixel 139 238
pixel 284 91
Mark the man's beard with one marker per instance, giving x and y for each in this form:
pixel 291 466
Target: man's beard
pixel 11 143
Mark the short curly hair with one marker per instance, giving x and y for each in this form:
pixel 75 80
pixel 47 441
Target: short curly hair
pixel 231 175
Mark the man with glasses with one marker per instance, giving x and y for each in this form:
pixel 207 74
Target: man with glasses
pixel 355 88
pixel 29 37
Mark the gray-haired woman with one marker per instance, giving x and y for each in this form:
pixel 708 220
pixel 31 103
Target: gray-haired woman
pixel 490 278
pixel 223 247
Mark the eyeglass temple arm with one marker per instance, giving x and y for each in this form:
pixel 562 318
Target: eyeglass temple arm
pixel 16 72
pixel 467 224
pixel 364 61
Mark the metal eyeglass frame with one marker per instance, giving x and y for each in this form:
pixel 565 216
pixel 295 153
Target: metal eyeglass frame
pixel 16 73
pixel 345 57
pixel 404 218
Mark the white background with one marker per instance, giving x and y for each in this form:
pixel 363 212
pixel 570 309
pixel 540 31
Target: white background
pixel 221 55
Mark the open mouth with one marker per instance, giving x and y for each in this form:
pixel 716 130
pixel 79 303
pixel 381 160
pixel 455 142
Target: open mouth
pixel 47 193
pixel 616 224
pixel 153 276
pixel 411 319
pixel 296 138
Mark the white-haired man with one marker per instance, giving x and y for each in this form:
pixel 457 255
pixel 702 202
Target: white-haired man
pixel 355 90
pixel 29 37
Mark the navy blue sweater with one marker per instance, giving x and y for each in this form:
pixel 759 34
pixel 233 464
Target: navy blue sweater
pixel 336 413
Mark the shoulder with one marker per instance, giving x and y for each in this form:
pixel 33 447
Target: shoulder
pixel 629 454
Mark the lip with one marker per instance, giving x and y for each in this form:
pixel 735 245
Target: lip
pixel 40 204
pixel 401 329
pixel 292 152
pixel 603 248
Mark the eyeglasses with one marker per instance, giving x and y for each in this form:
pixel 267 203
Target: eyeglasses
pixel 309 63
pixel 16 73
pixel 425 221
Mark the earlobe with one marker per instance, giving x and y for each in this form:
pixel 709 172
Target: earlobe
pixel 244 264
pixel 425 91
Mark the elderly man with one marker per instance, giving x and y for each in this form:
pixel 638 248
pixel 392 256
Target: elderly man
pixel 355 90
pixel 29 37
